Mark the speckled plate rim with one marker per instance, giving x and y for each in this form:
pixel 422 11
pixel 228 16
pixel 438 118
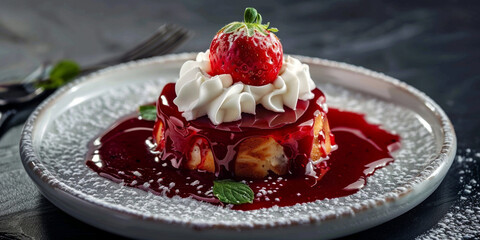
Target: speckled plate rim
pixel 401 200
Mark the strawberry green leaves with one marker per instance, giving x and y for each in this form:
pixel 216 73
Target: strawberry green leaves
pixel 232 27
pixel 148 112
pixel 61 73
pixel 228 191
pixel 252 23
pixel 252 16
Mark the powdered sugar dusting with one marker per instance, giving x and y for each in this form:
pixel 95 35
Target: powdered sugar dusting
pixel 462 221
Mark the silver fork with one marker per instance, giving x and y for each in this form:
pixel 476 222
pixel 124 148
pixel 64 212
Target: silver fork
pixel 15 96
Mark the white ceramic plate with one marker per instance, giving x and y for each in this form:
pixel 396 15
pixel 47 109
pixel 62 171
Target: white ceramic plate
pixel 55 137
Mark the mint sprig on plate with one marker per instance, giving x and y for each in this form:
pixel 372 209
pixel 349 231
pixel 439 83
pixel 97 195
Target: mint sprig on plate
pixel 148 112
pixel 228 191
pixel 63 72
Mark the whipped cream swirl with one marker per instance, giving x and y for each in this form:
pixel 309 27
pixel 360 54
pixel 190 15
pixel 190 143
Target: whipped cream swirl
pixel 199 94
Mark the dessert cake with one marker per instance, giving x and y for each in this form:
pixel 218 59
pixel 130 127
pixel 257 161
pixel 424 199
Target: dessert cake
pixel 242 109
pixel 244 126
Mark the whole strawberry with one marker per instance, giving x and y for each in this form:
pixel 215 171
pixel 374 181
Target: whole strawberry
pixel 248 51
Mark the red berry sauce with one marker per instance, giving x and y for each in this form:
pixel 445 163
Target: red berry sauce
pixel 122 155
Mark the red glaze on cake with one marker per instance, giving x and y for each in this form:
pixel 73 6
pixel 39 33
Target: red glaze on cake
pixel 281 143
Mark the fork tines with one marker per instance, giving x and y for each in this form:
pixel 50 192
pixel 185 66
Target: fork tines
pixel 166 38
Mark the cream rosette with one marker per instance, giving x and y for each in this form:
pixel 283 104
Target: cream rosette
pixel 199 94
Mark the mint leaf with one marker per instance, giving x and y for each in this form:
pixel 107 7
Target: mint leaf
pixel 148 112
pixel 61 73
pixel 228 191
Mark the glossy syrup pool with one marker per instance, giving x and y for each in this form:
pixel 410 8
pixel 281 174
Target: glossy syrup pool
pixel 122 154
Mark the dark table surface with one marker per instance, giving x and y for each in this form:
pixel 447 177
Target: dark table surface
pixel 432 45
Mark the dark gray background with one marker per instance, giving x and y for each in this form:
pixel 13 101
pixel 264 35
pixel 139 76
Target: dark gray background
pixel 432 45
